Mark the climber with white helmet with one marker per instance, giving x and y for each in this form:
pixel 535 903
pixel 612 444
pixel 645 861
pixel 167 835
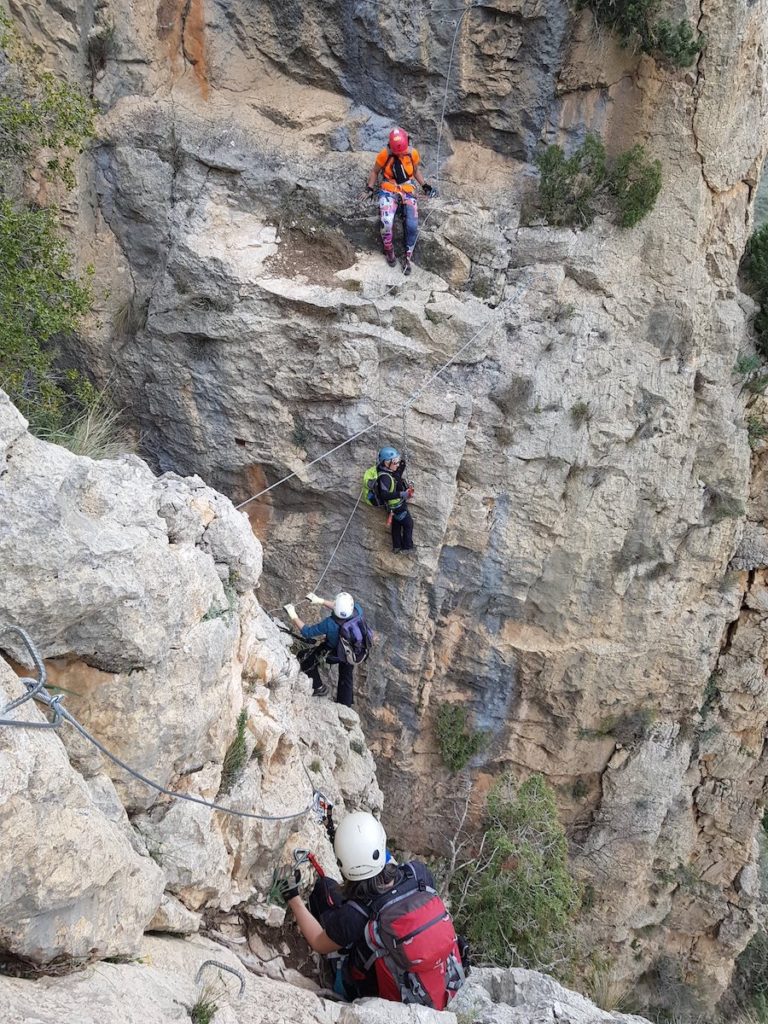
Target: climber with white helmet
pixel 398 938
pixel 347 641
pixel 393 492
pixel 398 165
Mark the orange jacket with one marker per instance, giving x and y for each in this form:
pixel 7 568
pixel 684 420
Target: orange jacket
pixel 385 162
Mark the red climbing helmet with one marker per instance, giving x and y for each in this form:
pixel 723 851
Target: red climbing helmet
pixel 398 141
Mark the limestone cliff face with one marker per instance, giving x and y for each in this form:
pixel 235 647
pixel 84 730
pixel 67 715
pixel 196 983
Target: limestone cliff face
pixel 573 580
pixel 139 594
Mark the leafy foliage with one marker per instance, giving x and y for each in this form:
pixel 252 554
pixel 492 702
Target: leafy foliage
pixel 572 188
pixel 457 741
pixel 569 185
pixel 757 431
pixel 41 297
pixel 515 899
pixel 637 24
pixel 236 756
pixel 635 183
pixel 756 271
pixel 40 112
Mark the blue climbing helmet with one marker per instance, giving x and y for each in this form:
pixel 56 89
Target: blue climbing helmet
pixel 388 453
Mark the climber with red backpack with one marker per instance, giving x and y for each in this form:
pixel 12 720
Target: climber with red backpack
pixel 397 936
pixel 347 641
pixel 398 165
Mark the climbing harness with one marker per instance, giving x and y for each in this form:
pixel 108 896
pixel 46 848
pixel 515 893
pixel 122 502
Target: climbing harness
pixel 35 689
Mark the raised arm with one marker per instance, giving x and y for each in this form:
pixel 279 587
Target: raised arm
pixel 311 928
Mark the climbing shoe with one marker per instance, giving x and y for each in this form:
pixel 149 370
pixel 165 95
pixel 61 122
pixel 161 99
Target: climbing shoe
pixel 390 257
pixel 407 266
pixel 321 691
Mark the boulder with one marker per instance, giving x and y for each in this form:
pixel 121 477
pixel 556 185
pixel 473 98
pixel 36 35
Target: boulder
pixel 72 886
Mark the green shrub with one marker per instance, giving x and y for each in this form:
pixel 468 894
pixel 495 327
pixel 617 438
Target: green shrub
pixel 569 185
pixel 516 899
pixel 458 742
pixel 41 297
pixel 579 414
pixel 755 269
pixel 235 757
pixel 40 112
pixel 635 183
pixel 572 188
pixel 757 431
pixel 637 24
pixel 750 977
pixel 203 1011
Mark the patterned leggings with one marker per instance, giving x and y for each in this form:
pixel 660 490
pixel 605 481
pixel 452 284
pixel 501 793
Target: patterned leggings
pixel 388 202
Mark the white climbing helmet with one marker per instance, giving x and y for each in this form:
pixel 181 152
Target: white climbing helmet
pixel 343 606
pixel 360 846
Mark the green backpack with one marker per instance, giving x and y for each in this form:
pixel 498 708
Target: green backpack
pixel 370 490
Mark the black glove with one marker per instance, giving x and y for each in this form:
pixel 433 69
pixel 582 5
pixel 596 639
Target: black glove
pixel 371 192
pixel 289 887
pixel 428 190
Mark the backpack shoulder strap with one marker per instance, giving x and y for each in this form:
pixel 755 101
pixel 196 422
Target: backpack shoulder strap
pixel 418 871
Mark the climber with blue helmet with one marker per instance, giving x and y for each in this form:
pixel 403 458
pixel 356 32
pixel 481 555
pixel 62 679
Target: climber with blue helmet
pixel 346 642
pixel 393 492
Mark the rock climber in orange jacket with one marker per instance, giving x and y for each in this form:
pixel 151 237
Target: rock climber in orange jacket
pixel 398 165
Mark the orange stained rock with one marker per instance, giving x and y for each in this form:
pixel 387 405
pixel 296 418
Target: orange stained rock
pixel 181 25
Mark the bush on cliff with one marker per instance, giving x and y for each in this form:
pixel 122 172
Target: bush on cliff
pixel 457 740
pixel 573 189
pixel 44 123
pixel 756 271
pixel 637 23
pixel 515 898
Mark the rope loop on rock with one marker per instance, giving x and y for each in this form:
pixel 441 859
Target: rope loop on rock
pixel 221 967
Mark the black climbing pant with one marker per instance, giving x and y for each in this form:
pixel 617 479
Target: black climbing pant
pixel 309 664
pixel 402 531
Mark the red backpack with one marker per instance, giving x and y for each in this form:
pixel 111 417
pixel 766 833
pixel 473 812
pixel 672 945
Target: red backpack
pixel 413 944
